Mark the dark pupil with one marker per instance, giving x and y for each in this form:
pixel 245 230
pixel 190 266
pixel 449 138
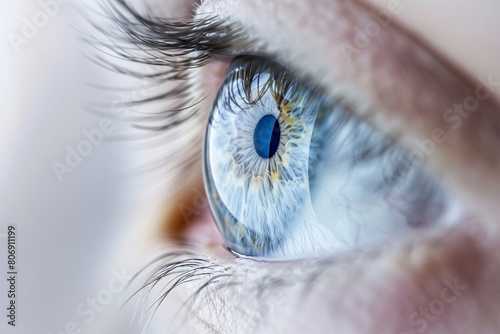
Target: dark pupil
pixel 266 137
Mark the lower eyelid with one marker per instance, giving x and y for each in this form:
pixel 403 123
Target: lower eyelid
pixel 404 277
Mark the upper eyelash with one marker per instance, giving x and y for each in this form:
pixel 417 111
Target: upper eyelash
pixel 170 50
pixel 178 46
pixel 279 81
pixel 181 44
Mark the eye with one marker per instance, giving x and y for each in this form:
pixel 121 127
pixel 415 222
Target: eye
pixel 291 172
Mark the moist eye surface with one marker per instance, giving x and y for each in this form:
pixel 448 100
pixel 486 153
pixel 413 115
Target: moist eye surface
pixel 291 173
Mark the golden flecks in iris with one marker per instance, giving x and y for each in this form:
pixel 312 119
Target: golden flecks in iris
pixel 256 180
pixel 285 107
pixel 276 175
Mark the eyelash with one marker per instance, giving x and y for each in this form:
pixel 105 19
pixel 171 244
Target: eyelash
pixel 181 267
pixel 170 50
pixel 171 270
pixel 177 46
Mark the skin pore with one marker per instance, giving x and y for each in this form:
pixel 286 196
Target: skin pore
pixel 408 73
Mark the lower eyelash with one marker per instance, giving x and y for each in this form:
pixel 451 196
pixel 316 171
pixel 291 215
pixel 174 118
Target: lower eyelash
pixel 249 285
pixel 171 271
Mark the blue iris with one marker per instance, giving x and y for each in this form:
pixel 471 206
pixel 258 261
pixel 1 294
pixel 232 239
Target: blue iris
pixel 266 137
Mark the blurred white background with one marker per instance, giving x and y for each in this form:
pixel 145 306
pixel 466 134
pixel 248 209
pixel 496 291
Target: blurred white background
pixel 67 230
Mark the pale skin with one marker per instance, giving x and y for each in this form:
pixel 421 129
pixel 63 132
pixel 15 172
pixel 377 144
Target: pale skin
pixel 442 283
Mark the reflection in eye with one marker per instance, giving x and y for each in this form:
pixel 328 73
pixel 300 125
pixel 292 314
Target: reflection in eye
pixel 292 173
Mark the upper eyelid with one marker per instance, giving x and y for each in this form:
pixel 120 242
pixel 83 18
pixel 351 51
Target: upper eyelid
pixel 286 52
